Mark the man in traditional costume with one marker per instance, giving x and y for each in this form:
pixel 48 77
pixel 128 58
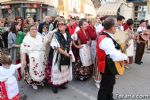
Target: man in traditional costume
pixel 130 42
pixel 141 43
pixel 120 22
pixel 107 47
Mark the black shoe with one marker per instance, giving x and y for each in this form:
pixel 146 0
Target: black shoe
pixel 62 87
pixel 54 89
pixel 148 49
pixel 139 63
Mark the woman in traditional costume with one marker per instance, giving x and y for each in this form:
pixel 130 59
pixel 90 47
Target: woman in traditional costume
pixel 50 50
pixel 83 67
pixel 33 58
pixel 130 49
pixel 91 30
pixel 61 70
pixel 72 26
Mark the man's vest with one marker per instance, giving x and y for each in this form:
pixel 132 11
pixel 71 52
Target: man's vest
pixel 101 55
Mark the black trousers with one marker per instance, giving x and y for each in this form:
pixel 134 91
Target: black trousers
pixel 106 86
pixel 139 52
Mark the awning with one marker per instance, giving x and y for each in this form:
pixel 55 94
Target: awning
pixel 109 9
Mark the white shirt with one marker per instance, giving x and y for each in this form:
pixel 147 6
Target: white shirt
pixel 77 29
pixel 55 43
pixel 74 36
pixel 43 34
pixel 108 46
pixel 51 27
pixel 99 28
pixel 121 28
pixel 6 75
pixel 141 29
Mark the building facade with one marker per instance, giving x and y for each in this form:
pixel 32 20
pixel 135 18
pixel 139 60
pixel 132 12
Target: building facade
pixel 135 9
pixel 25 8
pixel 139 10
pixel 79 8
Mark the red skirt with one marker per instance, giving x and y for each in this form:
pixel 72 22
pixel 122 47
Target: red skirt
pixel 3 93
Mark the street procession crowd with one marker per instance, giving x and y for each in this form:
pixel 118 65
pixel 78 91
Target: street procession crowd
pixel 57 50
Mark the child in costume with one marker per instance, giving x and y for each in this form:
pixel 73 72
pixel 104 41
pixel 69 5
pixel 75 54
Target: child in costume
pixel 8 84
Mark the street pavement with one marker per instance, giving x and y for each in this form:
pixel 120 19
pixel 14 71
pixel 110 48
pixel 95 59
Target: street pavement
pixel 135 82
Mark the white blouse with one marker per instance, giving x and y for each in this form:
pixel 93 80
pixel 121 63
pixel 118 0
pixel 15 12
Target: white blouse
pixel 55 43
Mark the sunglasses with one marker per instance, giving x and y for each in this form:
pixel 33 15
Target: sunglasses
pixel 61 24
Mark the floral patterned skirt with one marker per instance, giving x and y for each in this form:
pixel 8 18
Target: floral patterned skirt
pixel 48 73
pixel 29 80
pixel 27 76
pixel 82 72
pixel 49 76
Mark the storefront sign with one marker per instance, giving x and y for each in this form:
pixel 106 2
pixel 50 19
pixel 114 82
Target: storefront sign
pixel 31 5
pixel 34 5
pixel 136 1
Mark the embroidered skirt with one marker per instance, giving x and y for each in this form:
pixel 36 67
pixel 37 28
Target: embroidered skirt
pixel 82 72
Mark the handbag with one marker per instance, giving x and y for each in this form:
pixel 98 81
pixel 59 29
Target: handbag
pixel 64 60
